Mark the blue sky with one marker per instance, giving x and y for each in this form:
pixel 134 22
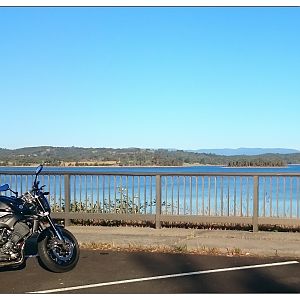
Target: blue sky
pixel 150 77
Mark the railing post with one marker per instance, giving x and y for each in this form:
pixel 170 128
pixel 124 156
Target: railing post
pixel 158 202
pixel 67 198
pixel 255 203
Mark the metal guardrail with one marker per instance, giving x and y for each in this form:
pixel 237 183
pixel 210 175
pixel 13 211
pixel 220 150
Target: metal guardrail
pixel 224 198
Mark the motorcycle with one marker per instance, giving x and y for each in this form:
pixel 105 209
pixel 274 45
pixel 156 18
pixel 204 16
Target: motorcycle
pixel 27 218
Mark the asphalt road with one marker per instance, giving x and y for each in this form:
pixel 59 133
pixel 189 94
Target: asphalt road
pixel 100 272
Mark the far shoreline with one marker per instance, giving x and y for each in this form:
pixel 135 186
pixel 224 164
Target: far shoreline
pixel 114 166
pixel 154 166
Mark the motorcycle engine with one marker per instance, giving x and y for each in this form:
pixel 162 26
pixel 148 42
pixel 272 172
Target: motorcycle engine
pixel 9 247
pixel 4 236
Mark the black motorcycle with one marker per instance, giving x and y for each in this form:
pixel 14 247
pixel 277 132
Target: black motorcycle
pixel 27 218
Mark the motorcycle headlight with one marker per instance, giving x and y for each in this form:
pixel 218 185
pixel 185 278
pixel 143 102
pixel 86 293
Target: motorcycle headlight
pixel 28 197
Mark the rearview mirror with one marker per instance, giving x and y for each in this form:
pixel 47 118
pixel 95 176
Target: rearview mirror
pixel 4 187
pixel 38 169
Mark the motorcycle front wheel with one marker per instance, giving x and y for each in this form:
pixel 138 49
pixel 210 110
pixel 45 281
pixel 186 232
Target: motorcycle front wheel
pixel 56 256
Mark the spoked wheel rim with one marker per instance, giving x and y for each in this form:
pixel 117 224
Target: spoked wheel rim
pixel 59 253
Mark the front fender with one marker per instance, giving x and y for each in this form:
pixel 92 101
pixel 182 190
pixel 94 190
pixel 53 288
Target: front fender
pixel 31 243
pixel 48 231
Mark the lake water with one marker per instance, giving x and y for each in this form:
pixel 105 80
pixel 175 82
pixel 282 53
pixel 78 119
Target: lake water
pixel 189 169
pixel 181 195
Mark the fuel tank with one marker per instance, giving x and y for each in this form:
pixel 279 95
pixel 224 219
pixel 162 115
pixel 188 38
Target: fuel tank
pixel 9 204
pixel 10 211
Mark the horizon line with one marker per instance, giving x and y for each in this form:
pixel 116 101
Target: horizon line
pixel 153 148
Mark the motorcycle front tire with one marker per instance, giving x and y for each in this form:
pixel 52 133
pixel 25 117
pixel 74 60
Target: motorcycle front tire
pixel 51 259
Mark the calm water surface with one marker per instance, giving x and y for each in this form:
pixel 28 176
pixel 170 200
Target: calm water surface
pixel 192 169
pixel 205 195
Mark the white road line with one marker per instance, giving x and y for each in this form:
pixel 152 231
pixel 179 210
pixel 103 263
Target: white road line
pixel 79 287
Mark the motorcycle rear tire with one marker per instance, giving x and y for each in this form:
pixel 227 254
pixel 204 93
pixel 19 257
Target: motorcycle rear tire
pixel 52 263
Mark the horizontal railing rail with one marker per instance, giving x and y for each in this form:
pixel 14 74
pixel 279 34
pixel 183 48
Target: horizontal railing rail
pixel 204 198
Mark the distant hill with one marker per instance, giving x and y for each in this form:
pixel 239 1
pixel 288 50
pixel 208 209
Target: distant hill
pixel 246 151
pixel 79 156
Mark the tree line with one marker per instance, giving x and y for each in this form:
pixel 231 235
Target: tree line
pixel 76 156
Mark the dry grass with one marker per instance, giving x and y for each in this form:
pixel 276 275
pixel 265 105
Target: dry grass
pixel 162 249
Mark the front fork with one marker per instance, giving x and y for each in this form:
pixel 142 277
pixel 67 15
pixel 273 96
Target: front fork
pixel 56 230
